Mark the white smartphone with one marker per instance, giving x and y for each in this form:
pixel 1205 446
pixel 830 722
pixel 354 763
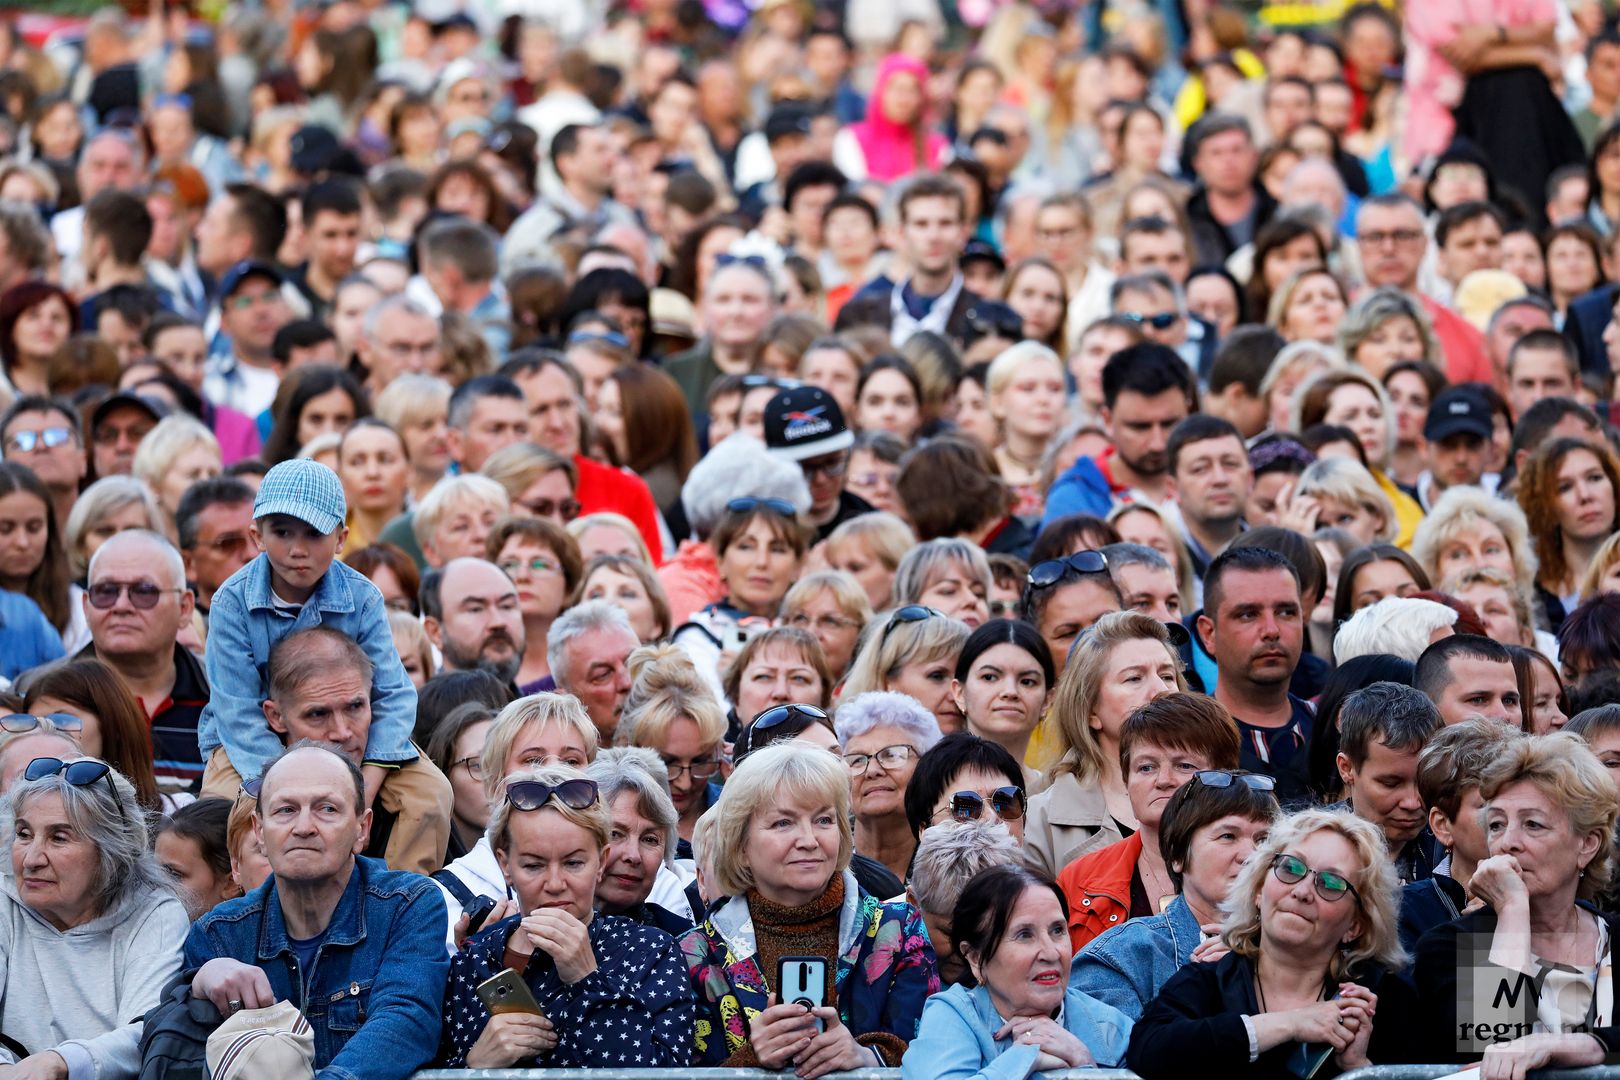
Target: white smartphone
pixel 802 980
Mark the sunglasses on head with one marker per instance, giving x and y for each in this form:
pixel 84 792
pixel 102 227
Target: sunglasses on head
pixel 752 502
pixel 1006 802
pixel 775 717
pixel 592 337
pixel 1225 778
pixel 1164 320
pixel 1291 870
pixel 1044 575
pixel 17 723
pixel 910 613
pixel 81 773
pixel 143 595
pixel 726 258
pixel 533 794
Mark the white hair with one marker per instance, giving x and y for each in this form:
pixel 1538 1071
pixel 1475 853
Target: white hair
pixel 885 708
pixel 948 857
pixel 169 553
pixel 577 620
pixel 1395 626
pixel 740 466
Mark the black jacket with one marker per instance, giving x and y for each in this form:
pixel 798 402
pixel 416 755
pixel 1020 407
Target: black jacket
pixel 1198 1016
pixel 871 307
pixel 1213 242
pixel 1584 323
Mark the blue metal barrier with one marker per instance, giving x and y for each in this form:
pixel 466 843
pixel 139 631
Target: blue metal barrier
pixel 1374 1072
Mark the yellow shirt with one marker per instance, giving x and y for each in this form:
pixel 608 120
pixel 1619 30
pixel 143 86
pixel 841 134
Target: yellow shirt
pixel 1407 511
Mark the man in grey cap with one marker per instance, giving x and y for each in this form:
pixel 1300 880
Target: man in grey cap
pixel 1458 436
pixel 805 425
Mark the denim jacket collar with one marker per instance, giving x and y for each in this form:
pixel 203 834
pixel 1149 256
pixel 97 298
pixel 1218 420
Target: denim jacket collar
pixel 332 592
pixel 1182 925
pixel 346 927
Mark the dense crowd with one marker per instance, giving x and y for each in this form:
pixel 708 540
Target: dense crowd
pixel 975 538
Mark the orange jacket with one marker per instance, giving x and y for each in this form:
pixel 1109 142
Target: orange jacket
pixel 1098 888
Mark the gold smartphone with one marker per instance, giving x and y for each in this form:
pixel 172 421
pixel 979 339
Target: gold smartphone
pixel 506 992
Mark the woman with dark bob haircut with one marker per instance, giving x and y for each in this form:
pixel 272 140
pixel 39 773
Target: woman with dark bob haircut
pixel 616 292
pixel 1589 640
pixel 1004 682
pixel 966 778
pixel 36 319
pixel 1011 926
pixel 1356 590
pixel 290 431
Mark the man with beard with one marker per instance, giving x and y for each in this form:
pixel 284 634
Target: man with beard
pixel 1147 390
pixel 471 614
pixel 1210 479
pixel 587 648
pixel 1382 730
pixel 1254 626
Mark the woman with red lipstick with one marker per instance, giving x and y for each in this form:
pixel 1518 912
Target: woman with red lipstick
pixel 1568 491
pixel 376 472
pixel 1021 1016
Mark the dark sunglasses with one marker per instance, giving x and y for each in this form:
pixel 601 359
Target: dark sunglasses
pixel 909 614
pixel 1044 575
pixel 1010 327
pixel 1164 320
pixel 17 723
pixel 143 595
pixel 1291 870
pixel 80 773
pixel 775 717
pixel 533 794
pixel 1007 802
pixel 752 502
pixel 1225 778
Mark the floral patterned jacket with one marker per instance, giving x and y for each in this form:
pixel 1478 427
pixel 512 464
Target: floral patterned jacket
pixel 885 971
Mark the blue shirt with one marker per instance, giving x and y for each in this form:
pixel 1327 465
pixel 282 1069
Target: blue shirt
pixel 27 638
pixel 957 1038
pixel 244 623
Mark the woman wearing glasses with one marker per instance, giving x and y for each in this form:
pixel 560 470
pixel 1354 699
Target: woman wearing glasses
pixel 90 924
pixel 591 974
pixel 782 843
pixel 456 747
pixel 1549 816
pixel 91 703
pixel 543 562
pixel 671 711
pixel 1161 745
pixel 1004 682
pixel 915 654
pixel 965 778
pixel 832 606
pixel 1123 662
pixel 1209 829
pixel 883 735
pixel 1311 932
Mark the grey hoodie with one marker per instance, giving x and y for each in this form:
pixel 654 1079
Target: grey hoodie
pixel 80 992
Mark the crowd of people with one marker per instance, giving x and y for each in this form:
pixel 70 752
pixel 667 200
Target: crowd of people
pixel 973 539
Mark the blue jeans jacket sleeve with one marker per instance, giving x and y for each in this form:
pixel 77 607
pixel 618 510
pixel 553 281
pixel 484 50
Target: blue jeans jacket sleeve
pixel 948 1047
pixel 1104 980
pixel 234 715
pixel 393 698
pixel 401 1034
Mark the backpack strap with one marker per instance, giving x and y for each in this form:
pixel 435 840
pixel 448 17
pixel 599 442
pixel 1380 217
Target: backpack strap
pixel 13 1045
pixel 457 888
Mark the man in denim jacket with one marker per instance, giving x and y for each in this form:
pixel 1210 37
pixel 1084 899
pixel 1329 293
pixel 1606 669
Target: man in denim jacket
pixel 358 948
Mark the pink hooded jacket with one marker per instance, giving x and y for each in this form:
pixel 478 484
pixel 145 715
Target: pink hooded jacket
pixel 891 148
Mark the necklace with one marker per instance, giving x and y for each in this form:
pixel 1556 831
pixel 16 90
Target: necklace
pixel 1029 468
pixel 1260 990
pixel 1158 886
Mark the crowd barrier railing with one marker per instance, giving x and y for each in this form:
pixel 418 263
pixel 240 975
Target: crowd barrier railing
pixel 1373 1072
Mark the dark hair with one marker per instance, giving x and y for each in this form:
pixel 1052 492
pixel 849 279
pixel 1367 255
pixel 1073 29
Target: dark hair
pixel 1433 671
pixel 1244 356
pixel 604 284
pixel 949 487
pixel 1538 497
pixel 851 201
pixel 1195 805
pixel 1244 559
pixel 1071 533
pixel 1299 550
pixel 1589 639
pixel 382 553
pixel 1277 233
pixel 1525 660
pixel 1275 452
pixel 1192 723
pixel 261 215
pixel 303 384
pixel 1149 369
pixel 21 298
pixel 137 305
pixel 1433 378
pixel 126 741
pixel 931 186
pixel 203 823
pixel 445 733
pixel 985 907
pixel 940 765
pixel 1400 717
pixel 889 361
pixel 41 403
pixel 1344 594
pixel 1538 421
pixel 1034 601
pixel 469 393
pixel 498 216
pixel 213 491
pixel 1200 427
pixel 1316 436
pixel 811 174
pixel 299 334
pixel 338 195
pixel 121 218
pixel 1006 632
pixel 442 693
pixel 1343 681
pixel 49 584
pixel 1454 217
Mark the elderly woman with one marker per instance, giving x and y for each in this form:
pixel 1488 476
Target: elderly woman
pixel 639 880
pixel 832 606
pixel 948 856
pixel 1022 1016
pixel 915 653
pixel 540 483
pixel 538 730
pixel 671 711
pixel 543 562
pixel 456 517
pixel 781 853
pixel 1349 397
pixel 883 735
pixel 1126 661
pixel 965 778
pixel 629 582
pixel 1209 829
pixel 1337 493
pixel 1161 746
pixel 782 666
pixel 1549 818
pixel 108 506
pixel 1004 682
pixel 82 893
pixel 1468 528
pixel 596 973
pixel 952 576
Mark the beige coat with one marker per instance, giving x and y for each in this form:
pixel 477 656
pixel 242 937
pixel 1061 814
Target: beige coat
pixel 1067 820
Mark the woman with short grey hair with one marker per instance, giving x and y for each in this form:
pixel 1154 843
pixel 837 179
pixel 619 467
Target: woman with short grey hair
pixel 948 857
pixel 883 734
pixel 90 926
pixel 1385 326
pixel 640 880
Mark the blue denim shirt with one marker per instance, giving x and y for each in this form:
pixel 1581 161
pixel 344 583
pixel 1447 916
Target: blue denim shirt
pixel 1126 965
pixel 244 623
pixel 957 1038
pixel 374 993
pixel 27 639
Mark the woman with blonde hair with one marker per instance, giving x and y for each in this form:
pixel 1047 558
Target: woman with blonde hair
pixel 1468 528
pixel 1037 291
pixel 1601 574
pixel 538 482
pixel 607 533
pixel 1026 390
pixel 108 506
pixel 949 574
pixel 1313 950
pixel 831 605
pixel 1124 662
pixel 418 407
pixel 1549 817
pixel 672 711
pixel 1309 306
pixel 914 652
pixel 1386 327
pixel 869 549
pixel 173 456
pixel 1337 493
pixel 1295 365
pixel 630 583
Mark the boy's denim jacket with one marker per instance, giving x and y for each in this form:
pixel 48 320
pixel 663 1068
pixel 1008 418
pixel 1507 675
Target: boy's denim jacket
pixel 243 623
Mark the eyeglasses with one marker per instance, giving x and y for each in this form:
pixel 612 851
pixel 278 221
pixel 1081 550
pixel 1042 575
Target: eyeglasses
pixel 474 764
pixel 1164 320
pixel 909 614
pixel 81 773
pixel 831 467
pixel 889 758
pixel 965 806
pixel 726 258
pixel 26 442
pixel 1225 778
pixel 753 502
pixel 700 770
pixel 1401 237
pixel 229 544
pixel 143 595
pixel 533 794
pixel 567 509
pixel 1291 870
pixel 1005 609
pixel 775 717
pixel 17 723
pixel 605 337
pixel 536 565
pixel 827 624
pixel 1044 575
pixel 242 301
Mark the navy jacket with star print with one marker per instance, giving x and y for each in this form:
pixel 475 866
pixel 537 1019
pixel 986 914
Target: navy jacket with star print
pixel 635 1009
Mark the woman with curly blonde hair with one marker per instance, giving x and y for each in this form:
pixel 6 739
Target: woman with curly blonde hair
pixel 1468 528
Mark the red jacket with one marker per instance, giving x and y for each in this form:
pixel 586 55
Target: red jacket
pixel 604 488
pixel 1098 888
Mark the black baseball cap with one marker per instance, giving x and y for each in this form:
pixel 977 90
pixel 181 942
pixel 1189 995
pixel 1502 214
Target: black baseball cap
pixel 117 401
pixel 248 268
pixel 314 148
pixel 805 422
pixel 788 118
pixel 982 251
pixel 1458 410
